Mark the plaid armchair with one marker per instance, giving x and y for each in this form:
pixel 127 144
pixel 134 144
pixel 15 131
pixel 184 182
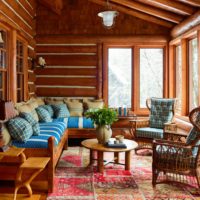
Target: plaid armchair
pixel 161 117
pixel 175 161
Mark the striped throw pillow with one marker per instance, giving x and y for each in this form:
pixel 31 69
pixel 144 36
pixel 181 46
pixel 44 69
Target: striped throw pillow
pixel 19 129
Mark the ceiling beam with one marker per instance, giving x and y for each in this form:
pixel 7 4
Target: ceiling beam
pixel 185 25
pixel 191 2
pixel 135 13
pixel 150 10
pixel 55 5
pixel 172 6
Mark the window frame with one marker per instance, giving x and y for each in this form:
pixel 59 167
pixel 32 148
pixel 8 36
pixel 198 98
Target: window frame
pixel 135 70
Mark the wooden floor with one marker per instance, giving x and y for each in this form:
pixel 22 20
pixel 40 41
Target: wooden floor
pixel 7 187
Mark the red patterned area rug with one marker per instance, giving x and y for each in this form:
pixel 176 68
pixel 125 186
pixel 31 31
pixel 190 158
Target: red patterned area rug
pixel 76 180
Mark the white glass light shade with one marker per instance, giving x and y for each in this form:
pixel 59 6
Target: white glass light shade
pixel 1 38
pixel 108 17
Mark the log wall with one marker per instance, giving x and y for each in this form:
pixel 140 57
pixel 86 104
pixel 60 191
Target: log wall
pixel 19 17
pixel 72 45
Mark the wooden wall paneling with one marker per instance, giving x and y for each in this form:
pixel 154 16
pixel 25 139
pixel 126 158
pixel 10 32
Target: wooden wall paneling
pixel 184 58
pixel 66 81
pixel 12 68
pixel 17 19
pixel 172 69
pixel 28 7
pixel 70 60
pixel 66 92
pixel 26 92
pixel 58 70
pixel 100 71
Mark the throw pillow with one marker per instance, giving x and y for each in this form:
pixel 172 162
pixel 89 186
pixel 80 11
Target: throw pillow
pixel 19 129
pixel 49 109
pixel 53 101
pixel 161 112
pixel 93 104
pixel 43 114
pixel 29 118
pixel 4 136
pixel 61 111
pixel 75 108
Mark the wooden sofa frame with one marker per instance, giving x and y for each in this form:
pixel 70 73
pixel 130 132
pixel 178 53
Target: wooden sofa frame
pixel 9 167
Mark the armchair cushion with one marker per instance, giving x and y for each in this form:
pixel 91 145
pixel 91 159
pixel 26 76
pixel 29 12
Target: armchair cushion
pixel 161 112
pixel 192 136
pixel 148 132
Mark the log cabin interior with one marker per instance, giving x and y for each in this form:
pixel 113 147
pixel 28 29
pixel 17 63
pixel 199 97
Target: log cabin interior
pixel 61 49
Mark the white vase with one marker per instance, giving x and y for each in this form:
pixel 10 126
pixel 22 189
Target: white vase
pixel 104 133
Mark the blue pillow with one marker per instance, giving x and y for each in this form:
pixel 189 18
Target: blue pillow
pixel 43 114
pixel 49 109
pixel 29 118
pixel 19 129
pixel 60 111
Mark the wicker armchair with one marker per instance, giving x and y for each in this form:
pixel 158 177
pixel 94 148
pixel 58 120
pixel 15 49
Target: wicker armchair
pixel 161 116
pixel 176 161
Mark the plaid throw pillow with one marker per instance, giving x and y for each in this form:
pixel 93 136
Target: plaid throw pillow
pixel 161 112
pixel 19 129
pixel 49 109
pixel 43 114
pixel 61 111
pixel 29 118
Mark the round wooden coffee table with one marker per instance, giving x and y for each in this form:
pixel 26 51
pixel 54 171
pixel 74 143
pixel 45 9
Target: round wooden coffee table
pixel 93 145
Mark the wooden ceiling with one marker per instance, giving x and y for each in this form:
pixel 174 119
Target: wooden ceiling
pixel 167 13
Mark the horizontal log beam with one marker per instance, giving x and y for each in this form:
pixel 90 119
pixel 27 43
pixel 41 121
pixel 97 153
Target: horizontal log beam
pixel 191 2
pixel 55 5
pixel 172 6
pixel 136 13
pixel 150 10
pixel 187 24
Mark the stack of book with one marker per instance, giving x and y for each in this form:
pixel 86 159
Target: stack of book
pixel 112 144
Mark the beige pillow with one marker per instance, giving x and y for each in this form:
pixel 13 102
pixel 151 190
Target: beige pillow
pixel 93 104
pixel 38 100
pixel 29 108
pixel 53 101
pixel 4 136
pixel 75 108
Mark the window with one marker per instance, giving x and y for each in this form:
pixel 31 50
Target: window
pixel 20 71
pixel 151 74
pixel 119 77
pixel 178 73
pixel 193 74
pixel 3 66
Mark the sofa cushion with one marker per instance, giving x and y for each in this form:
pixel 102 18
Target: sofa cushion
pixel 93 104
pixel 19 129
pixel 29 118
pixel 76 122
pixel 60 111
pixel 46 131
pixel 148 132
pixel 49 109
pixel 43 114
pixel 54 101
pixel 161 112
pixel 75 108
pixel 28 108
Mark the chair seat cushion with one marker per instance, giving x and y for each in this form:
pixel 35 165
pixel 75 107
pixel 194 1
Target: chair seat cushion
pixel 46 131
pixel 76 122
pixel 147 132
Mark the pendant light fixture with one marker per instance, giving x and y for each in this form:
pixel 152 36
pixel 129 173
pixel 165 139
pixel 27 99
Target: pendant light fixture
pixel 108 17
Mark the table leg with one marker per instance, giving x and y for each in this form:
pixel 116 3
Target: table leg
pixel 127 160
pixel 116 157
pixel 100 161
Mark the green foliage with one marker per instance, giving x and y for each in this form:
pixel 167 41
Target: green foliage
pixel 101 117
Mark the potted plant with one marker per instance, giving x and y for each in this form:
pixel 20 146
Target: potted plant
pixel 103 119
